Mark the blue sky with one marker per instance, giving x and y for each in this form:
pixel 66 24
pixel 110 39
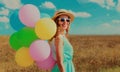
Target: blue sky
pixel 92 17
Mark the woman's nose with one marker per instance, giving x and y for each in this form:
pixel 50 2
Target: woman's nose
pixel 65 22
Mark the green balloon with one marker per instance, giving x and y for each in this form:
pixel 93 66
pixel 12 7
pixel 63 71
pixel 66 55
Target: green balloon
pixel 14 41
pixel 27 36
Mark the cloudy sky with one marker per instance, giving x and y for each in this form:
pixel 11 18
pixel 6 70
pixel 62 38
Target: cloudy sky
pixel 92 17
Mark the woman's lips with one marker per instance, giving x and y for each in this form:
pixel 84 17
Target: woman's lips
pixel 64 26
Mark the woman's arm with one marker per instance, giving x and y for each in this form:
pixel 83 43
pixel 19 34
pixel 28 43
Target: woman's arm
pixel 59 53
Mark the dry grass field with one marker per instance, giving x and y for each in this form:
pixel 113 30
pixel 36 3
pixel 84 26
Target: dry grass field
pixel 91 54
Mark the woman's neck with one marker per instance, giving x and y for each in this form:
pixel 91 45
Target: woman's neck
pixel 62 33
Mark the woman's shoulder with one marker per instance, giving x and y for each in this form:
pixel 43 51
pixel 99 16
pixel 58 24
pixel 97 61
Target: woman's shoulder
pixel 59 37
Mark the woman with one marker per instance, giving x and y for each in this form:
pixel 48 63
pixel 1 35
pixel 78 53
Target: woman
pixel 61 47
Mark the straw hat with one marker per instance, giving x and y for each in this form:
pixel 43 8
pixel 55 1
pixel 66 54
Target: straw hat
pixel 63 12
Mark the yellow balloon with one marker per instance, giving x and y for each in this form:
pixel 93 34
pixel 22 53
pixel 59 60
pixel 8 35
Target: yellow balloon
pixel 45 28
pixel 23 57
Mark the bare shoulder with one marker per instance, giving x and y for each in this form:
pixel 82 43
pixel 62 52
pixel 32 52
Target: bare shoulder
pixel 58 38
pixel 59 42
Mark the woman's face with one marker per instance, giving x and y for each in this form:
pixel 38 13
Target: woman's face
pixel 63 22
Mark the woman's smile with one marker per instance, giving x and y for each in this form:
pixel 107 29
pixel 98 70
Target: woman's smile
pixel 64 26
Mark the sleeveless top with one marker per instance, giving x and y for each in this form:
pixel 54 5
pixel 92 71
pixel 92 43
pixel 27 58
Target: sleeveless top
pixel 67 54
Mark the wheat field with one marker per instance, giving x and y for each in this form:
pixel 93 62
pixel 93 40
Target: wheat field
pixel 91 54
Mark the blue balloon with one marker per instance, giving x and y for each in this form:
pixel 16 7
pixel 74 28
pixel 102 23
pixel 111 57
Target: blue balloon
pixel 15 21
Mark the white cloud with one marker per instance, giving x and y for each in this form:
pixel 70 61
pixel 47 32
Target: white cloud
pixel 4 19
pixel 7 26
pixel 4 12
pixel 100 2
pixel 2 8
pixel 48 5
pixel 107 14
pixel 103 29
pixel 81 14
pixel 12 4
pixel 106 25
pixel 44 15
pixel 118 6
pixel 108 4
pixel 110 28
pixel 116 21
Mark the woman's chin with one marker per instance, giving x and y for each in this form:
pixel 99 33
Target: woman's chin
pixel 64 28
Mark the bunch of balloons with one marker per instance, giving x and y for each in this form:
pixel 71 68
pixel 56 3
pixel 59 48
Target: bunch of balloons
pixel 30 39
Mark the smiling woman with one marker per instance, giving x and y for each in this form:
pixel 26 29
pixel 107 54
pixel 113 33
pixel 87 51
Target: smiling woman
pixel 62 50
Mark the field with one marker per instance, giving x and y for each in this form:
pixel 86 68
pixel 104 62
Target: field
pixel 91 54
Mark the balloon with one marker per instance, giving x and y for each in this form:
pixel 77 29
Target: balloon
pixel 47 63
pixel 26 36
pixel 45 28
pixel 23 57
pixel 23 37
pixel 15 21
pixel 14 41
pixel 29 15
pixel 39 50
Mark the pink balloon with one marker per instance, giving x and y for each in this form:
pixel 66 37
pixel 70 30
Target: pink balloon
pixel 39 50
pixel 47 63
pixel 29 15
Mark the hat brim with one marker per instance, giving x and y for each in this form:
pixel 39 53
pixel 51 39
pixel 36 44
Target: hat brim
pixel 68 14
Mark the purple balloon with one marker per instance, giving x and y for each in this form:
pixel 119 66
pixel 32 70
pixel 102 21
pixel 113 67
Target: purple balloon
pixel 29 15
pixel 47 63
pixel 39 50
